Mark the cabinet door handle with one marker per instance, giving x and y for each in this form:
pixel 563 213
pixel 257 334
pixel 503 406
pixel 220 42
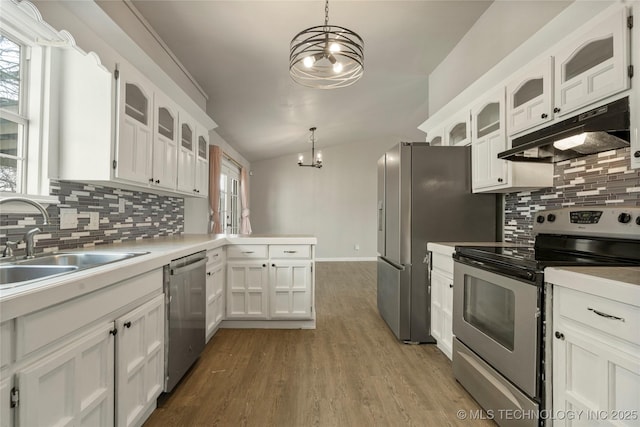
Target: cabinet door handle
pixel 273 265
pixel 544 116
pixel 556 110
pixel 113 332
pixel 150 179
pixel 605 315
pixel 127 324
pixel 559 335
pixel 247 252
pixel 499 179
pixel 157 181
pixel 451 285
pixel 264 265
pixel 209 273
pixel 290 252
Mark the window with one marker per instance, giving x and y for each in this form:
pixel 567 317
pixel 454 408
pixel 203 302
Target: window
pixel 13 120
pixel 229 198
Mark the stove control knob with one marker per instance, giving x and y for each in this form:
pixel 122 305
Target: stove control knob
pixel 624 218
pixel 638 220
pixel 551 217
pixel 540 219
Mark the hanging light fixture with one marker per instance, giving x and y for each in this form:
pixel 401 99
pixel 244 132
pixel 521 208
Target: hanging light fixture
pixel 326 56
pixel 316 159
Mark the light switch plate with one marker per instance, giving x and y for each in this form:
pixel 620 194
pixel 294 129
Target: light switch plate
pixel 68 218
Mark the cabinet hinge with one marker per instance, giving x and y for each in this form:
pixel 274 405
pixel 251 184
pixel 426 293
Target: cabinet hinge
pixel 630 21
pixel 115 164
pixel 15 397
pixel 630 71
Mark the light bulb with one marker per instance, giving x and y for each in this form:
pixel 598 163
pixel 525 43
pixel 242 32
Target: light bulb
pixel 335 47
pixel 309 61
pixel 319 157
pixel 570 142
pixel 337 67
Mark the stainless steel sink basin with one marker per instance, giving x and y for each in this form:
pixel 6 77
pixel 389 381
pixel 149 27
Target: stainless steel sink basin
pixel 80 260
pixel 11 274
pixel 44 266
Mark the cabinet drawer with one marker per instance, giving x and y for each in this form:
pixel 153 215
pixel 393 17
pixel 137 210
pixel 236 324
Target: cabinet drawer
pixel 442 263
pixel 215 256
pixel 43 327
pixel 290 251
pixel 246 251
pixel 596 312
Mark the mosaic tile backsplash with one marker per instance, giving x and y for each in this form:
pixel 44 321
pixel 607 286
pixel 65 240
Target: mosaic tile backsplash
pixel 598 179
pixel 99 218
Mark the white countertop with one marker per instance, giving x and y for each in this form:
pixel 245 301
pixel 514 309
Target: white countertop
pixel 33 296
pixel 617 283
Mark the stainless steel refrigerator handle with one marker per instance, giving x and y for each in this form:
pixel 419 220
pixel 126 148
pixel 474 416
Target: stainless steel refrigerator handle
pixel 400 267
pixel 380 209
pixel 189 267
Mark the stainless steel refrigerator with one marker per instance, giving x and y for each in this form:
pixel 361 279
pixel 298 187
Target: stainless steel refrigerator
pixel 424 195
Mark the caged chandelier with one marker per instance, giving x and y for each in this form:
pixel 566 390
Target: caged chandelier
pixel 326 56
pixel 316 160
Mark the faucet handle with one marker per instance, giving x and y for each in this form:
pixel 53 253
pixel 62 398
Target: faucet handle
pixel 9 247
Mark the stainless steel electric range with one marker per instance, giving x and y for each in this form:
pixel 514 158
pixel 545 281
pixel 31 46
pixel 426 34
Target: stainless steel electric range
pixel 502 308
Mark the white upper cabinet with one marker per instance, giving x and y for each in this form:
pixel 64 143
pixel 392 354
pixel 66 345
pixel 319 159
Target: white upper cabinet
pixel 530 97
pixel 593 64
pixel 202 164
pixel 165 143
pixel 458 131
pixel 135 134
pixel 186 153
pixel 489 139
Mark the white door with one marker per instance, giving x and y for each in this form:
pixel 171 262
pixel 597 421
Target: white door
pixel 530 97
pixel 139 361
pixel 438 294
pixel 186 154
pixel 230 198
pixel 594 64
pixel 133 153
pixel 489 139
pixel 165 143
pixel 72 386
pixel 290 287
pixel 247 290
pixel 215 298
pixel 446 343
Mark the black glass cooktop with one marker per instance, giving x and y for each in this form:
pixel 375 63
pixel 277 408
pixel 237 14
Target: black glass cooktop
pixel 554 251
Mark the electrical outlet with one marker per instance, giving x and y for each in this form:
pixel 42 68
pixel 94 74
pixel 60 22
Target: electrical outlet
pixel 356 247
pixel 68 218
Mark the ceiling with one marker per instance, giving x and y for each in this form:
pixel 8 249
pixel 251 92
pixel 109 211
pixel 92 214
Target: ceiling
pixel 238 51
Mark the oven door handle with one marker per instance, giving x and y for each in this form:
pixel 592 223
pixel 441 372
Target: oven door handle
pixel 500 268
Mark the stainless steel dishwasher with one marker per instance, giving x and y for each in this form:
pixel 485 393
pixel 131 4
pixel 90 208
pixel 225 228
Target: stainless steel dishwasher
pixel 185 284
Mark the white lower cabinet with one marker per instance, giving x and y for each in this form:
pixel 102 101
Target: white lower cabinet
pixel 290 289
pixel 139 362
pixel 596 358
pixel 247 286
pixel 6 414
pixel 441 265
pixel 71 386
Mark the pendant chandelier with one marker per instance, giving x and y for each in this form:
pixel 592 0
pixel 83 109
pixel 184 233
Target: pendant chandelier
pixel 326 56
pixel 316 160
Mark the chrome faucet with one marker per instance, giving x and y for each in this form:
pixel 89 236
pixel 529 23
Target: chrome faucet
pixel 29 235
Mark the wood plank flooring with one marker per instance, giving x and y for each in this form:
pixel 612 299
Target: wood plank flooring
pixel 350 371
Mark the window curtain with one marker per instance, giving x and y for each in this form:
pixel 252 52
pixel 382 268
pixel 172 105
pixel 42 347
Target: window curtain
pixel 215 163
pixel 245 224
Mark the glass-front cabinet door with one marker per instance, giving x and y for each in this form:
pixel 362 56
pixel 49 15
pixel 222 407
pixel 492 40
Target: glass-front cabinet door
pixel 593 64
pixel 202 165
pixel 186 154
pixel 435 137
pixel 529 97
pixel 458 131
pixel 165 143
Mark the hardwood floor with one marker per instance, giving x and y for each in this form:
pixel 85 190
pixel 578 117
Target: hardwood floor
pixel 350 371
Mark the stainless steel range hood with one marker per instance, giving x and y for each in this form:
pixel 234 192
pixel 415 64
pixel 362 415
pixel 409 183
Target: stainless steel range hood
pixel 601 129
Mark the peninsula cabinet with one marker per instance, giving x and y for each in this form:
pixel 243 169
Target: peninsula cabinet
pixel 530 97
pixel 290 282
pixel 596 356
pixel 247 282
pixel 593 63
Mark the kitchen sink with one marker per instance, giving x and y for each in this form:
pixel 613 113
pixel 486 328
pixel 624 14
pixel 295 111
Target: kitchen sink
pixel 13 274
pixel 44 266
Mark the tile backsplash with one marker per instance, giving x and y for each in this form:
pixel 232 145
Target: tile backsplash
pixel 104 215
pixel 598 179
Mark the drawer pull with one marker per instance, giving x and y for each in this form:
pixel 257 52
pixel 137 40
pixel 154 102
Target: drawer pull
pixel 208 273
pixel 608 316
pixel 247 252
pixel 290 252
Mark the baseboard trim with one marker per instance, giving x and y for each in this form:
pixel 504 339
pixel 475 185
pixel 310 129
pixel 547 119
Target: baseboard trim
pixel 346 259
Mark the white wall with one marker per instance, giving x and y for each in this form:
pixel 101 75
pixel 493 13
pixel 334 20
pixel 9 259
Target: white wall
pixel 337 203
